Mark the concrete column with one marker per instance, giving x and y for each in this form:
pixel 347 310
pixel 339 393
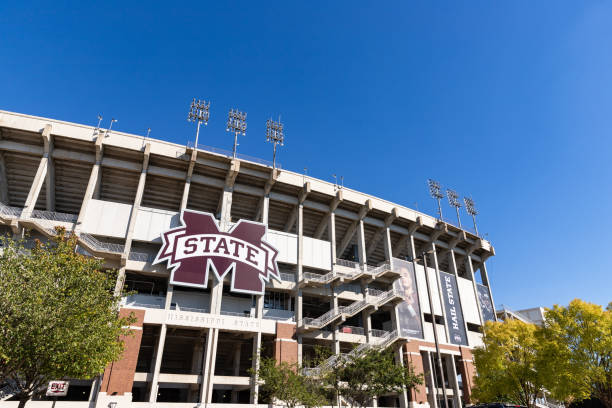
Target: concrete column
pixel 185 198
pixel 331 231
pixel 133 216
pixel 440 294
pixel 256 351
pixel 4 196
pixel 470 269
pixel 452 373
pixel 40 176
pixel 94 181
pixel 334 306
pixel 300 242
pixel 265 210
pixel 50 178
pixel 388 246
pixel 433 390
pixel 208 374
pixel 399 360
pixel 158 359
pixel 361 243
pixel 237 355
pixel 169 293
pixel 225 212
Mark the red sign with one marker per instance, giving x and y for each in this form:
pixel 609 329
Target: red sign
pixel 198 246
pixel 57 389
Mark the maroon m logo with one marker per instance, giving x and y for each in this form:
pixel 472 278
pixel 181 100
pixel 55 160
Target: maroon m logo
pixel 198 246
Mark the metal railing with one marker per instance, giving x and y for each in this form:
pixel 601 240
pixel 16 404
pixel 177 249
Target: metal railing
pixel 141 257
pixel 322 320
pixel 228 313
pixel 189 309
pixel 376 270
pixel 549 404
pixel 145 305
pixel 10 212
pixel 287 277
pixel 8 389
pixel 378 333
pixel 54 216
pixel 92 242
pixel 230 154
pixel 352 330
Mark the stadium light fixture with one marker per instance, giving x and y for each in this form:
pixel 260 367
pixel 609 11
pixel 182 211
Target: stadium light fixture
pixel 236 123
pixel 453 200
pixel 471 209
pixel 199 111
pixel 275 135
pixel 436 193
pixel 98 127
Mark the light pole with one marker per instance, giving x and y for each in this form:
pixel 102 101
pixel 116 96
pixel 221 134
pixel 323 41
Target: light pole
pixel 275 134
pixel 113 120
pixel 453 200
pixel 423 256
pixel 199 111
pixel 436 193
pixel 471 209
pixel 236 122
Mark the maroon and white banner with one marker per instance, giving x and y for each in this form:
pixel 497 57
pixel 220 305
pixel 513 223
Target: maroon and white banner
pixel 198 246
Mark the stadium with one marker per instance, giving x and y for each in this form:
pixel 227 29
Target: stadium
pixel 229 257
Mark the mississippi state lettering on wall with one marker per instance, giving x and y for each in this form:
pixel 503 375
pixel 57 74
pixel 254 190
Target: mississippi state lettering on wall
pixel 198 246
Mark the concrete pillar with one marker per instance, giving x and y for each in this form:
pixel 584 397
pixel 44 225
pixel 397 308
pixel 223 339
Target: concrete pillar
pixel 452 373
pixel 236 372
pixel 399 360
pixel 331 231
pixel 265 210
pixel 433 390
pixel 169 293
pixel 300 272
pixel 256 351
pixel 4 196
pixel 334 306
pixel 470 269
pixel 192 160
pixel 216 294
pixel 94 181
pixel 361 243
pixel 133 216
pixel 388 246
pixel 158 360
pixel 50 177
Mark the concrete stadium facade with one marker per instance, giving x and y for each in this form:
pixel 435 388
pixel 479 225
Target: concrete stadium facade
pixel 341 260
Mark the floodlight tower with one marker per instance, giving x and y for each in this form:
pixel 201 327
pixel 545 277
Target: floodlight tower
pixel 199 111
pixel 236 122
pixel 453 200
pixel 113 120
pixel 275 134
pixel 436 193
pixel 471 209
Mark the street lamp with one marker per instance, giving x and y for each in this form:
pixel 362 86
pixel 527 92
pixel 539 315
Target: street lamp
pixel 199 111
pixel 275 134
pixel 471 209
pixel 453 200
pixel 236 122
pixel 436 193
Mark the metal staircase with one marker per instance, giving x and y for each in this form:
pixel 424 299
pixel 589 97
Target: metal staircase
pixel 382 343
pixel 8 390
pixel 372 299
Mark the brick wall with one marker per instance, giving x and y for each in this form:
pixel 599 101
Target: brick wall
pixel 119 376
pixel 285 343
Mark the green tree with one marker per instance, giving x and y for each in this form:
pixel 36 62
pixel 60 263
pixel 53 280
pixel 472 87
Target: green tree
pixel 374 374
pixel 579 346
pixel 510 366
pixel 285 382
pixel 58 314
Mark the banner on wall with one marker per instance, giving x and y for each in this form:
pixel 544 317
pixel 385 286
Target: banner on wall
pixel 486 306
pixel 452 306
pixel 409 309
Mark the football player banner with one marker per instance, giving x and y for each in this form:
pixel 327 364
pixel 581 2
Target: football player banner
pixel 409 310
pixel 486 306
pixel 198 246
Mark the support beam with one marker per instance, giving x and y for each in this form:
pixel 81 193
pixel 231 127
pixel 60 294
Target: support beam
pixel 325 221
pixel 91 185
pixel 4 196
pixel 40 176
pixel 353 227
pixel 397 249
pixel 192 161
pixel 380 232
pixel 224 208
pixel 50 178
pixel 261 206
pixel 294 213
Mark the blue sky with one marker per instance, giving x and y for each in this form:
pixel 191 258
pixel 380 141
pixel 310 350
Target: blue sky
pixel 510 102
